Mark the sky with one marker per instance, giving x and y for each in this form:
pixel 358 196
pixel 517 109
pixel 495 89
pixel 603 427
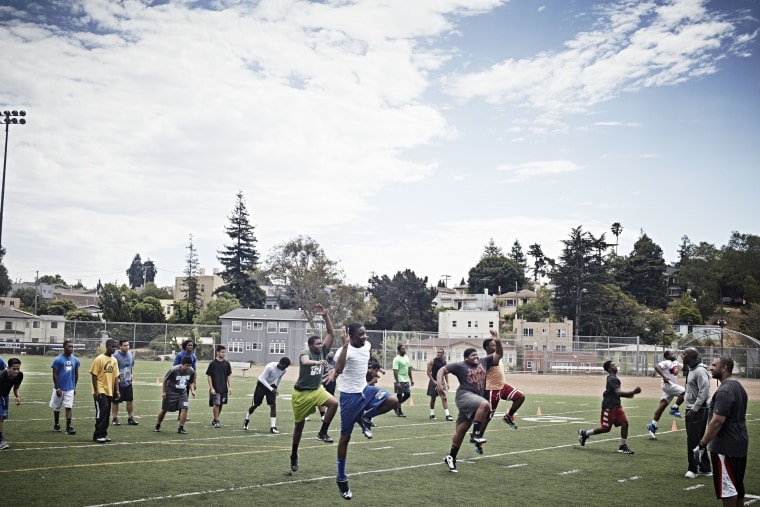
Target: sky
pixel 398 135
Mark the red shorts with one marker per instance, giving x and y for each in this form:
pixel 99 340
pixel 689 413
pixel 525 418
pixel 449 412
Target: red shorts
pixel 507 392
pixel 613 417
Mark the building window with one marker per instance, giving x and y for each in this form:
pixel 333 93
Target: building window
pixel 8 325
pixel 529 365
pixel 469 323
pixel 453 323
pixel 256 346
pixel 237 326
pixel 235 347
pixel 528 331
pixel 276 348
pixel 53 325
pixel 490 324
pixel 258 325
pixel 248 325
pixel 419 355
pixel 561 348
pixel 510 302
pixel 247 346
pixel 36 324
pixel 284 326
pixel 561 333
pixel 271 327
pixel 475 324
pixel 528 347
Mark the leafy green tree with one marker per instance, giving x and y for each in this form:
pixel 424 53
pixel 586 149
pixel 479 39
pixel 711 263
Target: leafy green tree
pixel 657 328
pixel 539 260
pixel 539 308
pixel 190 283
pixel 349 304
pixel 687 311
pixel 135 273
pixel 404 302
pixel 517 255
pixel 643 274
pixel 224 303
pixel 749 320
pixel 52 280
pixel 60 307
pixel 579 270
pixel 739 263
pixel 148 310
pixel 113 305
pixel 81 323
pixel 151 290
pixel 183 312
pixel 149 271
pixel 302 272
pixel 493 273
pixel 6 285
pixel 699 272
pixel 617 230
pixel 751 290
pixel 240 259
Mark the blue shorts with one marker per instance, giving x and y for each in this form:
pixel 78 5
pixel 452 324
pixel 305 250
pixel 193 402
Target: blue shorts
pixel 353 406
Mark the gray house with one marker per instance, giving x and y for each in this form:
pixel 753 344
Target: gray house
pixel 263 335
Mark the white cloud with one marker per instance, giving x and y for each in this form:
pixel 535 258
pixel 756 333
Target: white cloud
pixel 529 170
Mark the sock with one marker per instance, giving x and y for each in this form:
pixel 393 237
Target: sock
pixel 180 427
pixel 676 405
pixel 588 433
pixel 342 470
pixel 476 428
pixel 454 451
pixel 623 441
pixel 654 423
pixel 1 435
pixel 432 411
pixel 273 421
pixel 446 411
pixel 323 429
pixel 511 413
pixel 294 450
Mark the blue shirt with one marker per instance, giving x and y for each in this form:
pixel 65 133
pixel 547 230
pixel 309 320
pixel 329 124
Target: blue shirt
pixel 67 370
pixel 126 363
pixel 180 355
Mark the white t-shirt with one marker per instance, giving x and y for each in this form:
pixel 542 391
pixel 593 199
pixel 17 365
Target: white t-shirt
pixel 670 369
pixel 354 376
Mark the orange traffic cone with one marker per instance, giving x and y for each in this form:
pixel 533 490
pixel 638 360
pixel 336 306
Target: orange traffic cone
pixel 158 380
pixel 411 402
pixel 674 427
pixel 538 412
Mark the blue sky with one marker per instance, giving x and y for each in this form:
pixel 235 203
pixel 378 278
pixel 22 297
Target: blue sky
pixel 397 134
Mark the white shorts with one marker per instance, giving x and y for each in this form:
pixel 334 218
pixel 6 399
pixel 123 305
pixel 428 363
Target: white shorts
pixel 670 391
pixel 66 399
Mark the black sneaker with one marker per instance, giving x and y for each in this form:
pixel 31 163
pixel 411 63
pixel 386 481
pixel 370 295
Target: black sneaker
pixel 345 491
pixel 115 422
pixel 623 449
pixel 400 413
pixel 477 440
pixel 131 421
pixel 449 418
pixel 479 448
pixel 451 462
pixel 157 429
pixel 294 462
pixel 245 424
pixel 365 425
pixel 432 417
pixel 582 437
pixel 71 431
pixel 274 430
pixel 324 437
pixel 181 431
pixel 57 428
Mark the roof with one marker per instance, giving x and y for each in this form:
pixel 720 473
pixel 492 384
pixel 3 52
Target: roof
pixel 264 314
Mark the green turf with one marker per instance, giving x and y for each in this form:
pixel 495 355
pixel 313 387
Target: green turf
pixel 539 464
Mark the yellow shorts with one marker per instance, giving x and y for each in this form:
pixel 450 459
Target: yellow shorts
pixel 306 402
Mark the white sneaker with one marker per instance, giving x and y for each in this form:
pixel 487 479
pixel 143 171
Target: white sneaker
pixel 690 475
pixel 704 474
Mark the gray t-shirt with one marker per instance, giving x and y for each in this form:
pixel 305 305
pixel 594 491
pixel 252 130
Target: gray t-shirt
pixel 471 377
pixel 730 401
pixel 126 362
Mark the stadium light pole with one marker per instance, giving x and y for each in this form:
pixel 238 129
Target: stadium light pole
pixel 10 118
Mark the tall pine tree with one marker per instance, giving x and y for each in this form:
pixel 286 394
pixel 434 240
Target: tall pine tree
pixel 240 259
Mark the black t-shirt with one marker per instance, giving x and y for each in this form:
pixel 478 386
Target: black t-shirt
pixel 7 383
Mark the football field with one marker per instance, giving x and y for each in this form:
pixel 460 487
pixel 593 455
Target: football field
pixel 540 463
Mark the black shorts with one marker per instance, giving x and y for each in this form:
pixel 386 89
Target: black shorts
pixel 174 401
pixel 126 394
pixel 262 392
pixel 403 387
pixel 728 475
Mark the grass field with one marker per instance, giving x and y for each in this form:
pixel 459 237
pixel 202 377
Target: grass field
pixel 539 464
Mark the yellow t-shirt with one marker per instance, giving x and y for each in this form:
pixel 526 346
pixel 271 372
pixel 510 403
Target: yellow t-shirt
pixel 106 369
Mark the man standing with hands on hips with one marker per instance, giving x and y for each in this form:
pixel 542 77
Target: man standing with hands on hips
pixel 697 393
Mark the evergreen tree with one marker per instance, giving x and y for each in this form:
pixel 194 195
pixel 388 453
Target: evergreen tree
pixel 404 302
pixel 190 282
pixel 643 274
pixel 539 261
pixel 135 273
pixel 240 259
pixel 517 255
pixel 5 281
pixel 149 271
pixel 491 250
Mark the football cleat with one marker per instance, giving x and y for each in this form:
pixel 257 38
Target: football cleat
pixel 274 430
pixel 477 440
pixel 582 437
pixel 131 421
pixel 245 424
pixel 449 418
pixel 294 462
pixel 674 412
pixel 181 431
pixel 324 437
pixel 345 491
pixel 71 431
pixel 652 431
pixel 57 428
pixel 157 429
pixel 451 462
pixel 624 449
pixel 510 420
pixel 365 425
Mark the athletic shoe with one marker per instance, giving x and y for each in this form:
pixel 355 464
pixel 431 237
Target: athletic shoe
pixel 294 462
pixel 624 449
pixel 396 411
pixel 181 431
pixel 432 417
pixel 400 413
pixel 71 431
pixel 582 437
pixel 245 424
pixel 307 419
pixel 690 475
pixel 131 421
pixel 477 440
pixel 157 429
pixel 510 420
pixel 479 448
pixel 57 428
pixel 372 424
pixel 101 440
pixel 674 412
pixel 216 424
pixel 449 418
pixel 365 425
pixel 324 437
pixel 451 462
pixel 652 430
pixel 115 422
pixel 704 474
pixel 107 439
pixel 274 430
pixel 4 445
pixel 344 490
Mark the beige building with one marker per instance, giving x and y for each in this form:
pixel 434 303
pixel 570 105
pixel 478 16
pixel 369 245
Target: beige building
pixel 207 284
